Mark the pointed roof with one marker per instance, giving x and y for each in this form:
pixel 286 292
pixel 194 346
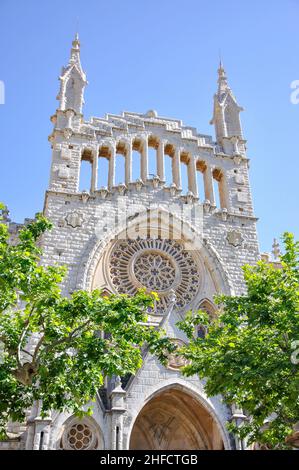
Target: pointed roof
pixel 74 61
pixel 224 92
pixel 222 80
pixel 75 52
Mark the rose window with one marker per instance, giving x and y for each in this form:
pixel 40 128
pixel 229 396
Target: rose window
pixel 80 437
pixel 158 265
pixel 154 271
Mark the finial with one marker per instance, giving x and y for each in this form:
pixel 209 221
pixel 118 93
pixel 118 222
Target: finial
pixel 76 42
pixel 276 249
pixel 75 51
pixel 222 79
pixel 221 71
pixel 220 60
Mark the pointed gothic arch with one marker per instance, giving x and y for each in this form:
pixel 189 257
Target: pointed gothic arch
pixel 175 416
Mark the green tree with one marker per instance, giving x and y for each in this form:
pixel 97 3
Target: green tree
pixel 78 340
pixel 247 354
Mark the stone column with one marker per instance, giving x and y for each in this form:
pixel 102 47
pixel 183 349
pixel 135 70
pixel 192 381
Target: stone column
pixel 117 410
pixel 111 170
pixel 94 174
pixel 239 417
pixel 128 163
pixel 192 183
pixel 69 115
pixel 160 161
pixel 209 188
pixel 41 436
pixel 144 160
pixel 176 168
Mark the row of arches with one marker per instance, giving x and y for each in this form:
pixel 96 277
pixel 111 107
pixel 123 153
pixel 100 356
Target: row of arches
pixel 143 159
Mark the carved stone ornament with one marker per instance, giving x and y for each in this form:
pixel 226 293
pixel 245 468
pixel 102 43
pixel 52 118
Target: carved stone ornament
pixel 139 184
pixel 237 159
pixel 175 361
pixel 156 181
pixel 234 238
pixel 224 214
pixel 85 196
pixel 74 219
pixel 206 206
pixel 103 191
pixel 67 132
pixel 122 188
pixel 173 189
pixel 189 197
pixel 163 266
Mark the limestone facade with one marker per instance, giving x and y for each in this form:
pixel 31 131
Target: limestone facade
pixel 145 232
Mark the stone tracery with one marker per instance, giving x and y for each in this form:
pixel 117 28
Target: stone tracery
pixel 158 265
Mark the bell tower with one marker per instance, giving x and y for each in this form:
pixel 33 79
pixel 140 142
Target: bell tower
pixel 72 82
pixel 67 122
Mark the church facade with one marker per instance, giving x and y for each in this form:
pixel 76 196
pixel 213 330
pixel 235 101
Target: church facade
pixel 187 245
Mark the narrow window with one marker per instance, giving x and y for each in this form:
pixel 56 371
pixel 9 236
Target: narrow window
pixel 103 169
pixel 136 166
pixel 85 171
pixel 136 159
pixel 220 188
pixel 152 156
pixel 168 162
pixel 184 173
pixel 200 170
pixel 120 174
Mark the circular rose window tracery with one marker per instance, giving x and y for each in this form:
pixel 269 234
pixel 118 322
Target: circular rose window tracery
pixel 154 270
pixel 79 435
pixel 158 265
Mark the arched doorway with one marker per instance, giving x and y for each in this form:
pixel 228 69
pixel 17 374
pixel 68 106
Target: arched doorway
pixel 175 420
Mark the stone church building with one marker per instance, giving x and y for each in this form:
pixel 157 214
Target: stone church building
pixel 186 244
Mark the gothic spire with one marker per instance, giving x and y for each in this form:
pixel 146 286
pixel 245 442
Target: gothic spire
pixel 72 81
pixel 226 110
pixel 75 52
pixel 222 80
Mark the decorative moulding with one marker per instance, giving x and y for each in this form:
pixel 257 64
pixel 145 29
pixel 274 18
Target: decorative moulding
pixel 234 238
pixel 74 219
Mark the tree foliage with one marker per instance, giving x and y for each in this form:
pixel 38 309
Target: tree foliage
pixel 57 349
pixel 246 355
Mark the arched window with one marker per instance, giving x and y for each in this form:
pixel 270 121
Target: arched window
pixel 153 144
pixel 168 162
pixel 201 167
pixel 103 166
pixel 120 164
pixel 85 171
pixel 185 184
pixel 220 190
pixel 136 159
pixel 208 307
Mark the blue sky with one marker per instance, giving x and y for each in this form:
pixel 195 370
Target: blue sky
pixel 158 54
